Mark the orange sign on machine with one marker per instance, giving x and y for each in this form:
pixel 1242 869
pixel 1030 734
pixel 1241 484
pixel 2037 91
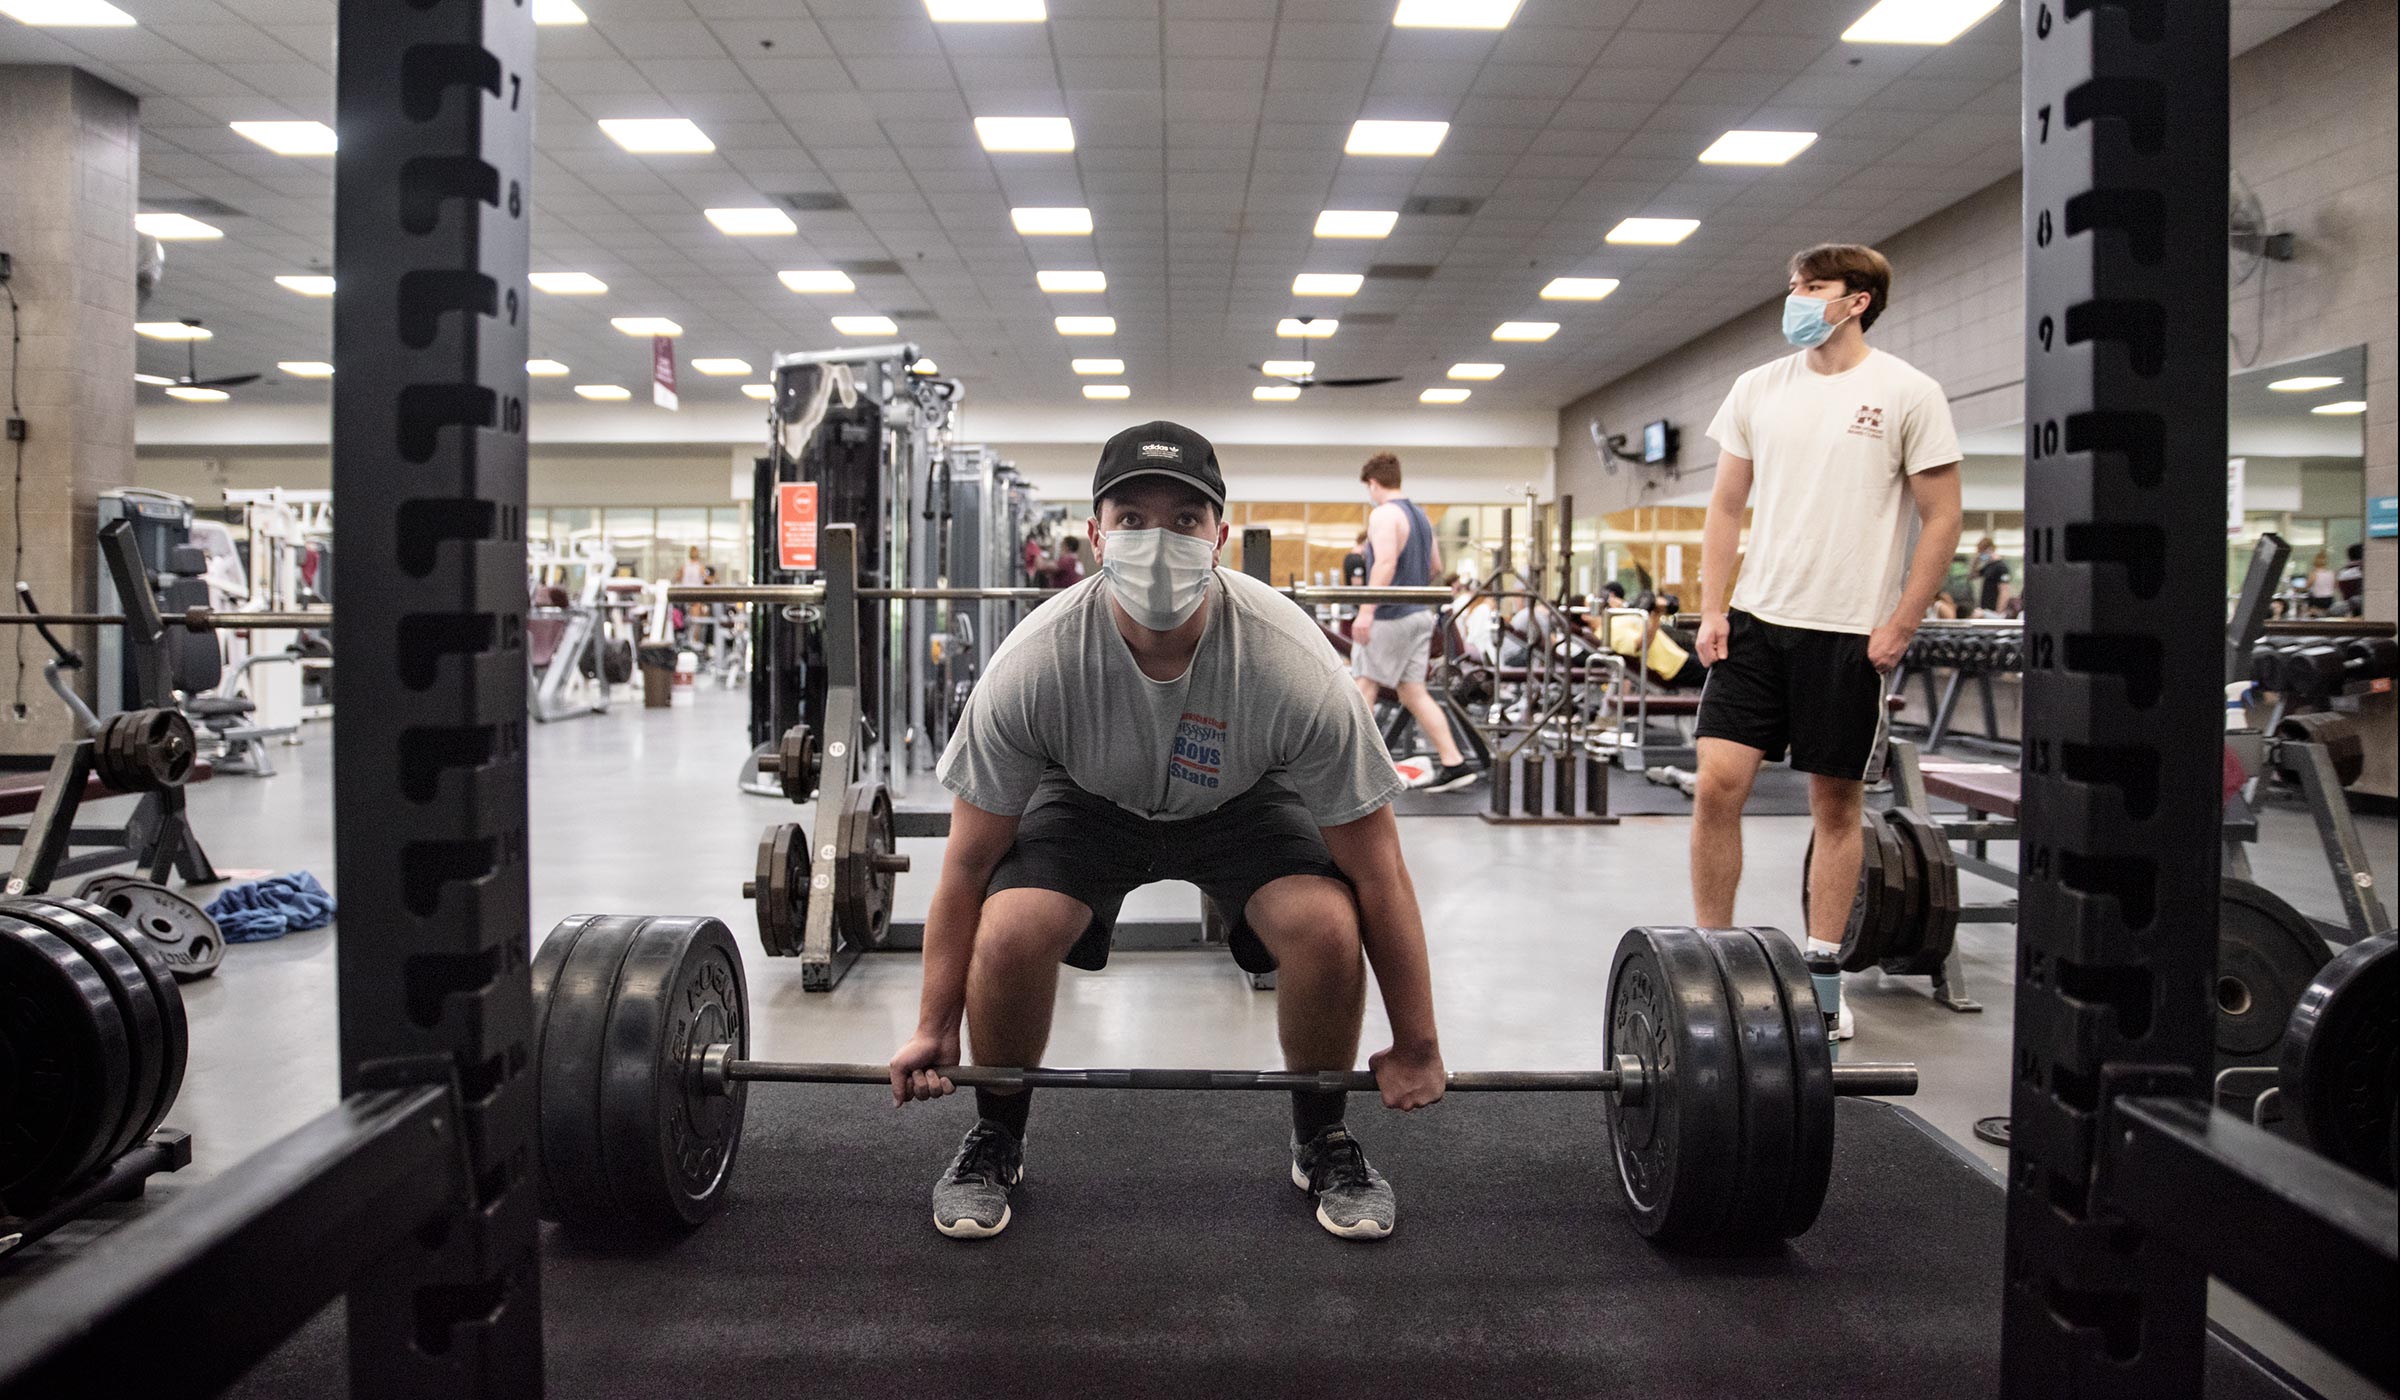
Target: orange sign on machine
pixel 796 524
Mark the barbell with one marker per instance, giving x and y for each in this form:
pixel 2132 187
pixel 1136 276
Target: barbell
pixel 1720 1079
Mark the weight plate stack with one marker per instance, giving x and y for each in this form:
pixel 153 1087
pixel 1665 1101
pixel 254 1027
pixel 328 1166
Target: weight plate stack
pixel 2267 954
pixel 796 763
pixel 622 1002
pixel 2339 1069
pixel 1677 1149
pixel 779 890
pixel 66 1065
pixel 1932 931
pixel 144 750
pixel 178 930
pixel 863 889
pixel 1812 1083
pixel 2339 734
pixel 1754 1209
pixel 146 998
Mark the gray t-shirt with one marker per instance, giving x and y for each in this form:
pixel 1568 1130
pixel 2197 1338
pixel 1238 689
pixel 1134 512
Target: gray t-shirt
pixel 1265 696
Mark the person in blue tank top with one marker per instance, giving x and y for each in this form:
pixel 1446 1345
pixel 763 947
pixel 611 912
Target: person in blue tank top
pixel 1389 643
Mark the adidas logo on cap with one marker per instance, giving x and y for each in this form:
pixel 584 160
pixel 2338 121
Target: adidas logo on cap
pixel 1167 450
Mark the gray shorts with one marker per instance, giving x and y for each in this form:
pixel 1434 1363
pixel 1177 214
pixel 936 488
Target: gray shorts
pixel 1395 653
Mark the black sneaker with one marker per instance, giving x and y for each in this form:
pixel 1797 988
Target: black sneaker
pixel 970 1202
pixel 1353 1199
pixel 1448 776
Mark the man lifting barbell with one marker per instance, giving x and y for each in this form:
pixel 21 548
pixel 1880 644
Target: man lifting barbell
pixel 1170 720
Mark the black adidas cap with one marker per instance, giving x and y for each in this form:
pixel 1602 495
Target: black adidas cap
pixel 1160 449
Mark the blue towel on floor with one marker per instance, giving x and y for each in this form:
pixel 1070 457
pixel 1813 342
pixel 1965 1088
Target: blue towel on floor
pixel 271 908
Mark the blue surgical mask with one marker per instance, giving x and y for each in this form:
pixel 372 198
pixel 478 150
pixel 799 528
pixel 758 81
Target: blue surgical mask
pixel 1804 322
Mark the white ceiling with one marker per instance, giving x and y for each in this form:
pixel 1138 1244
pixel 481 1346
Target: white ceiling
pixel 1209 136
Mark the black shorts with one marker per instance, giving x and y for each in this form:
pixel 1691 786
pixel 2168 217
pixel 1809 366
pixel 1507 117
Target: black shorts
pixel 1090 849
pixel 1813 692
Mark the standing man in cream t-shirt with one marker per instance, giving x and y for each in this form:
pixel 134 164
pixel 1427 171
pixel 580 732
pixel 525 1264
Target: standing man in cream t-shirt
pixel 1839 441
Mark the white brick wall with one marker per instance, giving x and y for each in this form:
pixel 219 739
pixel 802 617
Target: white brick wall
pixel 2314 131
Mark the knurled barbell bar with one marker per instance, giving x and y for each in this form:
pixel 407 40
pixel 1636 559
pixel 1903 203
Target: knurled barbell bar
pixel 1721 1082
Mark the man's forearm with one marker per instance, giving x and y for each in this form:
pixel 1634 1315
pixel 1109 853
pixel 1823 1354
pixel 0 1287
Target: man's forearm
pixel 1719 536
pixel 1394 933
pixel 949 946
pixel 1937 546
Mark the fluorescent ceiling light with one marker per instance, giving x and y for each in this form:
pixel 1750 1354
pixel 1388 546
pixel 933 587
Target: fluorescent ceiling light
pixel 545 369
pixel 63 14
pixel 193 394
pixel 645 325
pixel 1578 288
pixel 305 369
pixel 559 12
pixel 924 366
pixel 1444 396
pixel 170 330
pixel 1051 221
pixel 1368 138
pixel 171 226
pixel 1476 371
pixel 1757 147
pixel 1658 231
pixel 722 366
pixel 1917 21
pixel 986 11
pixel 1072 281
pixel 1106 391
pixel 866 325
pixel 1525 330
pixel 1275 393
pixel 309 285
pixel 290 138
pixel 657 136
pixel 1326 284
pixel 1289 369
pixel 748 223
pixel 567 284
pixel 153 379
pixel 817 280
pixel 607 392
pixel 1098 366
pixel 2303 383
pixel 1356 223
pixel 1085 325
pixel 758 391
pixel 1031 134
pixel 2344 408
pixel 1293 328
pixel 1455 14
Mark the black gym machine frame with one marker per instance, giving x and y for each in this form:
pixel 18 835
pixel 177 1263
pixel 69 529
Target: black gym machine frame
pixel 414 1196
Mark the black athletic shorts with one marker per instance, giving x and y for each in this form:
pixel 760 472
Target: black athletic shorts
pixel 1813 692
pixel 1089 848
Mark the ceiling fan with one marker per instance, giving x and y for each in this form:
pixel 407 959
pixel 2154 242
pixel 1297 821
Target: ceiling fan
pixel 190 378
pixel 1312 381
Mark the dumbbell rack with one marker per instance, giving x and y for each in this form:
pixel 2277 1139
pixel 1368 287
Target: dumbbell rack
pixel 1970 651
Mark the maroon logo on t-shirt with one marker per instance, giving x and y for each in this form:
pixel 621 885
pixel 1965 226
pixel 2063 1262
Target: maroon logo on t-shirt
pixel 1868 422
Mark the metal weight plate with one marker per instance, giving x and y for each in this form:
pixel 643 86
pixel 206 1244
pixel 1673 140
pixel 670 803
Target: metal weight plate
pixel 54 910
pixel 66 1065
pixel 668 1147
pixel 2267 954
pixel 1866 910
pixel 796 762
pixel 617 660
pixel 1676 1149
pixel 2338 1069
pixel 180 931
pixel 780 888
pixel 1934 932
pixel 137 1006
pixel 865 891
pixel 1812 1083
pixel 144 750
pixel 574 976
pixel 1753 1210
pixel 1907 933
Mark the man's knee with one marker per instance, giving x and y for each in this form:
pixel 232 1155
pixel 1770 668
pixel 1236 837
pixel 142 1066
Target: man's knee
pixel 1029 925
pixel 1836 805
pixel 1719 794
pixel 1306 920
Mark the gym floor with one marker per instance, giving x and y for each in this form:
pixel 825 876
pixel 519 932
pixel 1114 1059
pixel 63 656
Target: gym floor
pixel 636 811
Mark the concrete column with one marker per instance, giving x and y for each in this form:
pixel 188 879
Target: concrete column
pixel 70 149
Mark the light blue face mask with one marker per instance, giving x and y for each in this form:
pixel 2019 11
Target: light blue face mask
pixel 1804 322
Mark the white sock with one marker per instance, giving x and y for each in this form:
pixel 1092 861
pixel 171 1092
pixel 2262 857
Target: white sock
pixel 1819 945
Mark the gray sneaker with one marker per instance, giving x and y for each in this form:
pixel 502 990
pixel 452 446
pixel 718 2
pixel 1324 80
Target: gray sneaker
pixel 970 1202
pixel 1353 1199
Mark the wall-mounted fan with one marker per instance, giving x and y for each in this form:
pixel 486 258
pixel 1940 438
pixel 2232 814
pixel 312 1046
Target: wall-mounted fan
pixel 2249 243
pixel 190 378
